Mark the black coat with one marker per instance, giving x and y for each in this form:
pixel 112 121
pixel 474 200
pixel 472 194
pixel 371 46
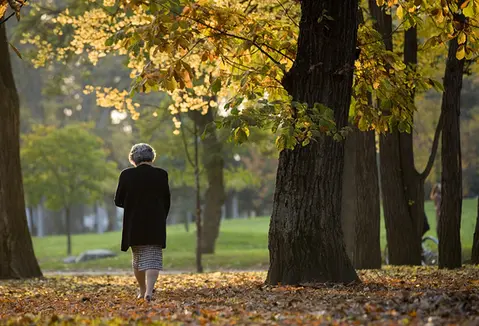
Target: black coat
pixel 144 194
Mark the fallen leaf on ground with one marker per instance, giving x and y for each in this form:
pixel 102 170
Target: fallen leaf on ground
pixel 390 296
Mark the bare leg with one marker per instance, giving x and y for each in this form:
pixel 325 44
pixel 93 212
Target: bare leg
pixel 140 278
pixel 151 277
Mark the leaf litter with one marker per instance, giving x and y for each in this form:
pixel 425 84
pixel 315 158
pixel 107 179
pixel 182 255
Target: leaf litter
pixel 392 296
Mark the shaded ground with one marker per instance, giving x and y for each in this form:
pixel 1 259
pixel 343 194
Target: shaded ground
pixel 392 296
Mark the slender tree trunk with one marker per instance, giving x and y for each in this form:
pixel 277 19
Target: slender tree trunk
pixel 475 244
pixel 404 244
pixel 305 237
pixel 450 254
pixel 360 204
pixel 98 218
pixel 40 220
pixel 34 220
pixel 413 181
pixel 186 221
pixel 68 230
pixel 17 259
pixel 111 211
pixel 199 233
pixel 30 219
pixel 213 163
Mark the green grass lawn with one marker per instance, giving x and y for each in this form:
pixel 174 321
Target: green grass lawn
pixel 242 244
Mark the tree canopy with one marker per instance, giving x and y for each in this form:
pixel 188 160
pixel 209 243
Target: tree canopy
pixel 233 55
pixel 65 166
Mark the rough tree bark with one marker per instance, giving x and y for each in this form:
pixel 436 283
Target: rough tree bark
pixel 404 244
pixel 475 244
pixel 17 259
pixel 360 213
pixel 213 163
pixel 305 237
pixel 450 253
pixel 360 206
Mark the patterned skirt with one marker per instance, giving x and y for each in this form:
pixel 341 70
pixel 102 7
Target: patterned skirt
pixel 147 257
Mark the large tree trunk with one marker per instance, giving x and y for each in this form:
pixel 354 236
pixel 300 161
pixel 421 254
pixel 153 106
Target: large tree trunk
pixel 404 244
pixel 450 254
pixel 360 213
pixel 17 259
pixel 305 237
pixel 475 244
pixel 213 163
pixel 360 207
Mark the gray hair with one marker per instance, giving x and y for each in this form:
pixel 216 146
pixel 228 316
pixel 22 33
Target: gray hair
pixel 141 153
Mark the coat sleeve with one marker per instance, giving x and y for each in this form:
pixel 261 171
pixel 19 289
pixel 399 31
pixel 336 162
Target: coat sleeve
pixel 120 191
pixel 167 198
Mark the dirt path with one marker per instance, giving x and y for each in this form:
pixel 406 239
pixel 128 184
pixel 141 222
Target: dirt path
pixel 121 272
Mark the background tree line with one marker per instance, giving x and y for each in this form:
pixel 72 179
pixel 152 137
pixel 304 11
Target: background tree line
pixel 392 76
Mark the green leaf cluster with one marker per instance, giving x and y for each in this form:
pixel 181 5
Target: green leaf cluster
pixel 65 166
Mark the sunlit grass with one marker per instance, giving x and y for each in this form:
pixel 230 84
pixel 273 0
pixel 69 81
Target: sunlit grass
pixel 242 244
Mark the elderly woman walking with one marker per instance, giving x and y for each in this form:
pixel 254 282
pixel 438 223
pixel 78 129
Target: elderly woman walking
pixel 144 193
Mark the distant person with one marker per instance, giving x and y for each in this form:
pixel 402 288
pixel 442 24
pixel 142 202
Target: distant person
pixel 436 197
pixel 144 193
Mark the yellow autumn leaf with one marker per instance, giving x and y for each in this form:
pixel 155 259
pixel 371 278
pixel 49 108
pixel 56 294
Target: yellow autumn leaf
pixel 376 85
pixel 469 54
pixel 464 4
pixel 461 38
pixel 469 10
pixel 400 12
pixel 169 84
pixel 89 303
pixel 3 7
pixel 461 52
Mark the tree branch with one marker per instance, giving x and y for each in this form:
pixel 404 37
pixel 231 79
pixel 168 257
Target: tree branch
pixel 384 38
pixel 15 10
pixel 185 143
pixel 287 13
pixel 435 145
pixel 191 49
pixel 222 32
